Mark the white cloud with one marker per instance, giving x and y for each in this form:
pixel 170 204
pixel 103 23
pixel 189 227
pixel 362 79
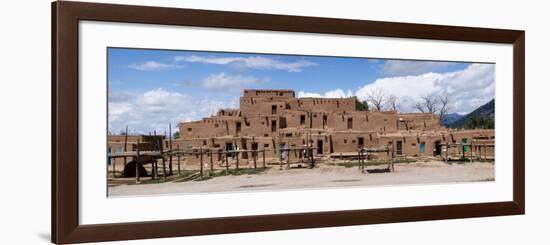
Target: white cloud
pixel 221 81
pixel 467 89
pixel 411 67
pixel 152 66
pixel 337 93
pixel 254 62
pixel 154 109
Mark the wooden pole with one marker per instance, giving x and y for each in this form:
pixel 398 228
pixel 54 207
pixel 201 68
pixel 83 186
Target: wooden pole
pixel 201 162
pixel 164 168
pixel 113 162
pixel 263 158
pixel 362 161
pixel 254 157
pixel 471 152
pixel 170 145
pixel 179 162
pixel 211 161
pixel 388 155
pixel 287 159
pixel 359 159
pixel 280 159
pixel 125 148
pixel 137 163
pixel 391 159
pixel 226 161
pixel 237 156
pixel 446 152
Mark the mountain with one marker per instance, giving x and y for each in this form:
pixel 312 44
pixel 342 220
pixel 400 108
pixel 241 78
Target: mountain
pixel 482 117
pixel 449 119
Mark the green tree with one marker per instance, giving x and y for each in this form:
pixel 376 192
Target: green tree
pixel 176 135
pixel 361 105
pixel 479 122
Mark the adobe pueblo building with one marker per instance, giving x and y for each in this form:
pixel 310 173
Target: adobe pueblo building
pixel 282 126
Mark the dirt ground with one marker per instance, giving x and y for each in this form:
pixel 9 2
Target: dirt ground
pixel 323 176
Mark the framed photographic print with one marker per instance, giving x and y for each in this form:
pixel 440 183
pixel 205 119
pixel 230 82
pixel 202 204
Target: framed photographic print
pixel 191 122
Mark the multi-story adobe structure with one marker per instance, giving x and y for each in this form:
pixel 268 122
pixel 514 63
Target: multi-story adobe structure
pixel 272 120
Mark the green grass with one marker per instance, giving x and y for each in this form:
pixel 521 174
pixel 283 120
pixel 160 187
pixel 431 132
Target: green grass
pixel 486 179
pixel 350 164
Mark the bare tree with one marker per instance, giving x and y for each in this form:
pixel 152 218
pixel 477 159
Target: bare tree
pixel 377 98
pixel 392 102
pixel 444 106
pixel 428 104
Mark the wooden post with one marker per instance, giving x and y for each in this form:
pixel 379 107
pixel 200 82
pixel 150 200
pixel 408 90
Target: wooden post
pixel 179 157
pixel 287 159
pixel 280 160
pixel 388 155
pixel 359 159
pixel 446 152
pixel 113 162
pixel 362 161
pixel 201 161
pixel 391 159
pixel 137 163
pixel 471 152
pixel 254 157
pixel 164 168
pixel 263 158
pixel 226 161
pixel 237 156
pixel 170 145
pixel 211 161
pixel 125 147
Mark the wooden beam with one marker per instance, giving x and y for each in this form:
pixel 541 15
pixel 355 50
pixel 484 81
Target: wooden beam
pixel 170 146
pixel 263 158
pixel 201 163
pixel 137 163
pixel 179 162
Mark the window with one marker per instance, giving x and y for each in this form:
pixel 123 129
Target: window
pixel 302 119
pixel 119 149
pixel 189 129
pixel 345 141
pixel 399 148
pixel 324 120
pixel 238 126
pixel 422 147
pixel 273 125
pixel 350 123
pixel 274 109
pixel 266 145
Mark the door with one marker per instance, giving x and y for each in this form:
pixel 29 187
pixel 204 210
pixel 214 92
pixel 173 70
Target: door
pixel 282 152
pixel 437 148
pixel 229 147
pixel 319 146
pixel 399 148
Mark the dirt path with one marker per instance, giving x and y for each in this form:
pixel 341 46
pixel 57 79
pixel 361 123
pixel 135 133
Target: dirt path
pixel 321 177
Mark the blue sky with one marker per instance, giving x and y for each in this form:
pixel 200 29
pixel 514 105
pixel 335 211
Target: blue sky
pixel 150 88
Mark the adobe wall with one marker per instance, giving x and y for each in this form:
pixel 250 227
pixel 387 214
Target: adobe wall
pixel 327 104
pixel 364 121
pixel 268 93
pixel 418 121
